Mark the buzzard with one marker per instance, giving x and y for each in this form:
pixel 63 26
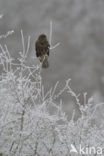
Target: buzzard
pixel 42 50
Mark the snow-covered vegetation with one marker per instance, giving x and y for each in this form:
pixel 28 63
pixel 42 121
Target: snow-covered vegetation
pixel 28 127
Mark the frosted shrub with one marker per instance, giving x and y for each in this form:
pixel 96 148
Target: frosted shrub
pixel 27 128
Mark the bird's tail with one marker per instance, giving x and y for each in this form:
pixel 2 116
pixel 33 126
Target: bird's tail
pixel 45 63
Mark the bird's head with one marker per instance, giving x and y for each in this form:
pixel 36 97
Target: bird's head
pixel 42 37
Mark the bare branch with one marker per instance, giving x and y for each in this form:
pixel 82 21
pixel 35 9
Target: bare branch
pixel 50 38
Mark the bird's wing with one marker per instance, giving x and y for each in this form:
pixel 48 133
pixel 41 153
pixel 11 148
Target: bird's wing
pixel 38 49
pixel 42 49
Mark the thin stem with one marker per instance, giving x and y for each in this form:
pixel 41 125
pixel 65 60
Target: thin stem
pixel 23 44
pixel 28 46
pixel 50 38
pixel 53 47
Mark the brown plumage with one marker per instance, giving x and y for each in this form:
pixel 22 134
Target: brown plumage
pixel 42 50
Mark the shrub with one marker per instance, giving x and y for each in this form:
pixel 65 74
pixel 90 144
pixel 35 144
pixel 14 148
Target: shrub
pixel 27 128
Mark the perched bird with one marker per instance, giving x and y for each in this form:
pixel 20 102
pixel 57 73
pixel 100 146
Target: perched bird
pixel 42 50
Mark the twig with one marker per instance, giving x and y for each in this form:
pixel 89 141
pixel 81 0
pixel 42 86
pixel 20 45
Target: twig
pixel 50 38
pixel 7 34
pixel 23 44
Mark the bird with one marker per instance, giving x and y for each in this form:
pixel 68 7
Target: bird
pixel 42 48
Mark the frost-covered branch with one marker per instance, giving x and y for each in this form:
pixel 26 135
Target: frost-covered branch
pixel 7 34
pixel 50 38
